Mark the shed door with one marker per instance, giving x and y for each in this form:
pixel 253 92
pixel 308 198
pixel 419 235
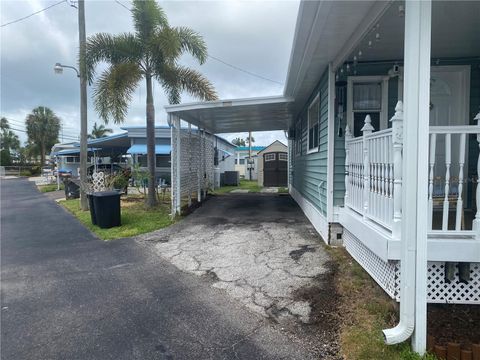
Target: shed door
pixel 275 169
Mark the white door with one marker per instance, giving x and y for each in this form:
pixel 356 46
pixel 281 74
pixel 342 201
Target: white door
pixel 449 103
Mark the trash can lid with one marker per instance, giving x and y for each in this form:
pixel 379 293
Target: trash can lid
pixel 106 193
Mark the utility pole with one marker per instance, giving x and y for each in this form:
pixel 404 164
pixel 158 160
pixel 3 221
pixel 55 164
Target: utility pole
pixel 83 105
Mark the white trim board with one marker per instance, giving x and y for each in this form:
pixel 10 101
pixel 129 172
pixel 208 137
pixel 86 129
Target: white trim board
pixel 314 215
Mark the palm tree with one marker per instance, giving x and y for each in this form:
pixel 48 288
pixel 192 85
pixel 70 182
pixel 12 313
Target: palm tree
pixel 151 53
pixel 238 141
pixel 247 140
pixel 43 127
pixel 99 131
pixel 8 142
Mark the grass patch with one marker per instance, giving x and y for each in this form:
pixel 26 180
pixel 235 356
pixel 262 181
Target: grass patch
pixel 136 219
pixel 250 185
pixel 365 310
pixel 49 188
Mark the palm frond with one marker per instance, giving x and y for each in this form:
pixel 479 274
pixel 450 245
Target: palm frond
pixel 148 17
pixel 113 91
pixel 113 49
pixel 164 46
pixel 192 43
pixel 177 78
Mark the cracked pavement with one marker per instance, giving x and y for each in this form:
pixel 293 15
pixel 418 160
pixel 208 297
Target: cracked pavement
pixel 260 249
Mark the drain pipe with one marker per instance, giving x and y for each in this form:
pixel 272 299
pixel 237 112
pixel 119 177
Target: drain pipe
pixel 413 302
pixel 400 232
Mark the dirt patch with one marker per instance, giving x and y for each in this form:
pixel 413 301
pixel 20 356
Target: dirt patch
pixel 297 254
pixel 322 330
pixel 454 323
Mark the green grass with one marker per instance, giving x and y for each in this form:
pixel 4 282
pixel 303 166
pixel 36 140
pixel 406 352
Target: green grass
pixel 250 185
pixel 366 310
pixel 136 219
pixel 49 188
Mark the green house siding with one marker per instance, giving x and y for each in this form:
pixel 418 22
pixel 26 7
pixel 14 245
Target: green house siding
pixel 309 175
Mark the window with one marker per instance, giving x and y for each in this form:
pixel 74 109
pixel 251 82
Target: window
pixel 270 157
pixel 72 159
pixel 242 161
pixel 162 161
pixel 282 157
pixel 313 115
pixel 367 96
pixel 142 160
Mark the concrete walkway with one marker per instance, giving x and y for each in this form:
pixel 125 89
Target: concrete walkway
pixel 67 295
pixel 259 248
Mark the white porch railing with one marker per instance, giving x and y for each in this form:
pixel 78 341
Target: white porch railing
pixel 446 190
pixel 373 180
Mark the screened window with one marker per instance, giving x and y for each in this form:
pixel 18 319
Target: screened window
pixel 162 161
pixel 313 116
pixel 269 157
pixel 282 157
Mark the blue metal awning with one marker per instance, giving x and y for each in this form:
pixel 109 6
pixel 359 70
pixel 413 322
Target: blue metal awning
pixel 142 149
pixel 74 151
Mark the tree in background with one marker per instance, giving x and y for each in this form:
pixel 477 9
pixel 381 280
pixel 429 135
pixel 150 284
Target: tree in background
pixel 151 53
pixel 8 142
pixel 43 127
pixel 99 131
pixel 247 141
pixel 238 141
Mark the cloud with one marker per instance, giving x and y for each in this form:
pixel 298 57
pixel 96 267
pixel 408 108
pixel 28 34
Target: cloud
pixel 256 36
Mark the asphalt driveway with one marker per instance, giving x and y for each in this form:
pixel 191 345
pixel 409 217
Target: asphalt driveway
pixel 67 295
pixel 259 248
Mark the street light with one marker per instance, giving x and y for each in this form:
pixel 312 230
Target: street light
pixel 58 68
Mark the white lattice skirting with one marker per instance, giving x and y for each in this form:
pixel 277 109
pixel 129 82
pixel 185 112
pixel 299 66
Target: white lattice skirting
pixel 387 275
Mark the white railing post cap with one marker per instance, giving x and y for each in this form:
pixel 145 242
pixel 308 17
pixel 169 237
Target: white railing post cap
pixel 368 124
pixel 398 111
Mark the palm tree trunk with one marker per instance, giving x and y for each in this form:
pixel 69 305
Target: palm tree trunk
pixel 151 198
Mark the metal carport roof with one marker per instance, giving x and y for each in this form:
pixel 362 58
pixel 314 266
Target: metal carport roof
pixel 237 115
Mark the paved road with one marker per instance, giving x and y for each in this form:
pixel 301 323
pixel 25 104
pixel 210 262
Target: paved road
pixel 67 295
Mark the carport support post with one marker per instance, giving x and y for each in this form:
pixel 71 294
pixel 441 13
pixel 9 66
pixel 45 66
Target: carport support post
pixel 176 173
pixel 189 164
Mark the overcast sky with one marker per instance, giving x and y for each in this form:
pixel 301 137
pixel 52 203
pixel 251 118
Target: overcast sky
pixel 255 36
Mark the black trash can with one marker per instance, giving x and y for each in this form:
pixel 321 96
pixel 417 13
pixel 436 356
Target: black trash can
pixel 72 189
pixel 106 205
pixel 91 206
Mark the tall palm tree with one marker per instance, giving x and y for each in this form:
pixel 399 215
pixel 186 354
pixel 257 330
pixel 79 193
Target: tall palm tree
pixel 99 131
pixel 43 127
pixel 238 141
pixel 151 53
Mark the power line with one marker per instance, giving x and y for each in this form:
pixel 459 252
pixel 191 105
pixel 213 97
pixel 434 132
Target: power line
pixel 224 62
pixel 243 70
pixel 35 13
pixel 119 3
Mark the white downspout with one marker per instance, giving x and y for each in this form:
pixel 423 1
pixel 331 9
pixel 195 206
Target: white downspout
pixel 415 178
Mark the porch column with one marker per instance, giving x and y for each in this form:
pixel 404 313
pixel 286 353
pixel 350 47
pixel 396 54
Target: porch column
pixel 415 162
pixel 175 165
